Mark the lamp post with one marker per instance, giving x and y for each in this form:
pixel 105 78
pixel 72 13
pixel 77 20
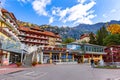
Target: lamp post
pixel 83 51
pixel 22 56
pixel 22 48
pixel 112 54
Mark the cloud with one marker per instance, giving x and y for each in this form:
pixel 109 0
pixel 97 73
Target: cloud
pixel 80 13
pixel 40 5
pixel 81 1
pixel 51 20
pixel 64 26
pixel 105 16
pixel 56 10
pixel 2 3
pixel 113 10
pixel 63 13
pixel 112 15
pixel 24 1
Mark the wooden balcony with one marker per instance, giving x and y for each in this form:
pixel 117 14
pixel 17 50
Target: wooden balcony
pixel 33 37
pixel 55 49
pixel 5 32
pixel 34 42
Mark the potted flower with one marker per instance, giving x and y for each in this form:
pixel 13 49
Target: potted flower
pixel 78 61
pixel 18 64
pixel 39 63
pixel 34 63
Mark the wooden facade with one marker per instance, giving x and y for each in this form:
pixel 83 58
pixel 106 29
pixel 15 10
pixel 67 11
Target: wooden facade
pixel 112 52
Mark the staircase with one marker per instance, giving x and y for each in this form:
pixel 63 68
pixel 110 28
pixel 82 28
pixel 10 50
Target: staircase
pixel 31 56
pixel 28 59
pixel 16 47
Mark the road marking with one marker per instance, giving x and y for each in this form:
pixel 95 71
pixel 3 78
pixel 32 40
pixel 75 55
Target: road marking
pixel 29 73
pixel 45 73
pixel 35 74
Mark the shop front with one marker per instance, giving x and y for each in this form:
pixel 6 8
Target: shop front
pixel 14 57
pixel 57 55
pixel 4 57
pixel 85 52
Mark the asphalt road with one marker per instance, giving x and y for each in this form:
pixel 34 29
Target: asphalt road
pixel 64 72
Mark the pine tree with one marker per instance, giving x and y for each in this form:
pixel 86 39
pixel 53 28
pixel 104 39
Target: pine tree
pixel 101 35
pixel 92 38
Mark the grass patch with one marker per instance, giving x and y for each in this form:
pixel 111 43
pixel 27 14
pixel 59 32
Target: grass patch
pixel 108 67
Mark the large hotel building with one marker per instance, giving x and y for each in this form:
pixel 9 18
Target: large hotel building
pixel 9 41
pixel 35 36
pixel 28 44
pixel 12 36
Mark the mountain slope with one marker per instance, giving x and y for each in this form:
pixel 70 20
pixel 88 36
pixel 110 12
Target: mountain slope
pixel 73 32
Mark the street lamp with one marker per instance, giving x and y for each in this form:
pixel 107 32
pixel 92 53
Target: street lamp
pixel 22 48
pixel 112 54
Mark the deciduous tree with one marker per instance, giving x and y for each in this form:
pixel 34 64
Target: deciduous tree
pixel 68 40
pixel 114 28
pixel 112 39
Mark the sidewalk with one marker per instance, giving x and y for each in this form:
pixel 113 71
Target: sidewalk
pixel 14 68
pixel 10 68
pixel 41 65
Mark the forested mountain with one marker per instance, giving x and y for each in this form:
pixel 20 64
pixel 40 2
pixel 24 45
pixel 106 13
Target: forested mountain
pixel 73 32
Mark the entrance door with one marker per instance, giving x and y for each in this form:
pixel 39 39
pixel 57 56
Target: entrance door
pixel 46 59
pixel 55 57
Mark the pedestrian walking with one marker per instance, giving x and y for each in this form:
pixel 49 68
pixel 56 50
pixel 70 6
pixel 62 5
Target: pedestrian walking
pixel 92 63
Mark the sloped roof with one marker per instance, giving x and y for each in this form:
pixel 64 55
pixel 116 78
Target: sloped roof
pixel 4 10
pixel 49 33
pixel 11 14
pixel 84 35
pixel 23 28
pixel 36 30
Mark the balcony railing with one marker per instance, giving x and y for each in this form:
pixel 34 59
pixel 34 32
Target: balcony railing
pixel 34 36
pixel 13 36
pixel 34 41
pixel 12 25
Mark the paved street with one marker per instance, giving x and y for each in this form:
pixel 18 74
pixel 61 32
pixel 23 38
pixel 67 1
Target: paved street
pixel 63 72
